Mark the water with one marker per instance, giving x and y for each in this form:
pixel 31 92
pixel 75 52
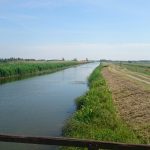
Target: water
pixel 40 106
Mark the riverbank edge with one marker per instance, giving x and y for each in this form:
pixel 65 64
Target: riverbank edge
pixel 37 73
pixel 96 117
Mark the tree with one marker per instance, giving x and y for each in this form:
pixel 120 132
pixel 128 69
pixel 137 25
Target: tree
pixel 75 59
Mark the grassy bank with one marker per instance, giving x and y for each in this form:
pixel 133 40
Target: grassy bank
pixel 23 68
pixel 141 68
pixel 136 66
pixel 96 117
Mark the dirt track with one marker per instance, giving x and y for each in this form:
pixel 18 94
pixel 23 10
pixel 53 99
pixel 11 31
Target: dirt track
pixel 132 101
pixel 134 75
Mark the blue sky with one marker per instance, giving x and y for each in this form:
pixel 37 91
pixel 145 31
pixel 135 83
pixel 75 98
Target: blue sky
pixel 108 29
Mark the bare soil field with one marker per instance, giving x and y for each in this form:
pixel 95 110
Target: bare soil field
pixel 132 99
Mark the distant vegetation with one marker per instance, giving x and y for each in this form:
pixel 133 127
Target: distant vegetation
pixel 142 66
pixel 14 59
pixel 129 61
pixel 19 67
pixel 136 67
pixel 96 117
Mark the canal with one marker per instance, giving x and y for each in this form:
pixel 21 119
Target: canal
pixel 40 106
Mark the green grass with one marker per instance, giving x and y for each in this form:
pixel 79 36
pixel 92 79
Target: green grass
pixel 96 116
pixel 143 68
pixel 21 68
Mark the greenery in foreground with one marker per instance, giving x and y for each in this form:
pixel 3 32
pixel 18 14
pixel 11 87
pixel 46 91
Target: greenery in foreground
pixel 21 68
pixel 96 117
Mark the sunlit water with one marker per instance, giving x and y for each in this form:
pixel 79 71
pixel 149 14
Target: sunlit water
pixel 40 106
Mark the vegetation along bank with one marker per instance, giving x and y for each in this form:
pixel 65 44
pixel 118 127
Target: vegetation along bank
pixel 12 69
pixel 96 117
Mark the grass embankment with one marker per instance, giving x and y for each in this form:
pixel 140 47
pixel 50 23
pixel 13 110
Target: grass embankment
pixel 141 68
pixel 96 117
pixel 23 68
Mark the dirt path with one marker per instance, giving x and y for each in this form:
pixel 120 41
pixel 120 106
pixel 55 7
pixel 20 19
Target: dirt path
pixel 135 75
pixel 131 99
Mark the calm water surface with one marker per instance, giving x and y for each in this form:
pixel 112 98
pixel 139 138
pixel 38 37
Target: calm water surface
pixel 39 106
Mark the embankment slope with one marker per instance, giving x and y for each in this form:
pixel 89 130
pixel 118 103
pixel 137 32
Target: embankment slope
pixel 132 101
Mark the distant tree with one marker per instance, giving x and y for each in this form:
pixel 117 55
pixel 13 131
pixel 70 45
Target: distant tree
pixel 75 59
pixel 103 60
pixel 120 63
pixel 63 59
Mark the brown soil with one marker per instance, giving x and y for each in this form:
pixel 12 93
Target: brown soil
pixel 132 102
